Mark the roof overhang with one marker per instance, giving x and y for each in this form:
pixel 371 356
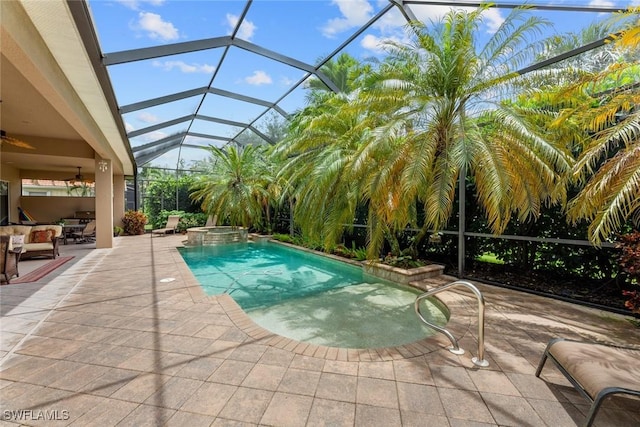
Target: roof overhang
pixel 43 45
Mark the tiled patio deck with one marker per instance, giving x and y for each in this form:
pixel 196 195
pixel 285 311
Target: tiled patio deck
pixel 110 342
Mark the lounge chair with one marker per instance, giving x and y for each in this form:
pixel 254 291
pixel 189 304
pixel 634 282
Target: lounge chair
pixel 170 227
pixel 597 371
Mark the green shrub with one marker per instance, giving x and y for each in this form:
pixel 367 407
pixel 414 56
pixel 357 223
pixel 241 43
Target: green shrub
pixel 282 237
pixel 402 261
pixel 161 193
pixel 134 222
pixel 360 254
pixel 190 220
pixel 630 263
pixel 161 218
pixel 187 220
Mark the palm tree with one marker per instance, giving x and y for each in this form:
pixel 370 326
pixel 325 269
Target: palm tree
pixel 609 163
pixel 433 110
pixel 596 59
pixel 344 71
pixel 234 188
pixel 445 115
pixel 315 155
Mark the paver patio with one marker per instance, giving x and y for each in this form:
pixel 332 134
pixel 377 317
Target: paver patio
pixel 126 336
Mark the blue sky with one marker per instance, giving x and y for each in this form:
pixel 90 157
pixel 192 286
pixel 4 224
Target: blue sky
pixel 305 30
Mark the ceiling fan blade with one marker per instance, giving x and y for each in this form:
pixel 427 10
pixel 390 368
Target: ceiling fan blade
pixel 14 141
pixel 79 179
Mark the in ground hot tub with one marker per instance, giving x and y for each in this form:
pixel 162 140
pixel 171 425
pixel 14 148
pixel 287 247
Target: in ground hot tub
pixel 216 235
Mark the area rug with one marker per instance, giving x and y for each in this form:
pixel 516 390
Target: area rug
pixel 41 271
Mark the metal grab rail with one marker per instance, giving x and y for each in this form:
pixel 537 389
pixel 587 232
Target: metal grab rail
pixel 478 361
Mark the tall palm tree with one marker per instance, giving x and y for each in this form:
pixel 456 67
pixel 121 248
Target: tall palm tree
pixel 344 71
pixel 596 59
pixel 315 156
pixel 433 110
pixel 234 188
pixel 609 164
pixel 443 101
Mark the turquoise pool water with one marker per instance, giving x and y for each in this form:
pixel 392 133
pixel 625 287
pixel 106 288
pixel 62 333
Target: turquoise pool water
pixel 311 298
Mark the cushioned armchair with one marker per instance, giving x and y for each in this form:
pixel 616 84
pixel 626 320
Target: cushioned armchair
pixel 39 240
pixel 8 260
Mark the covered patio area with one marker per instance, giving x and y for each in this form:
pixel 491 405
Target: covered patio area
pixel 126 336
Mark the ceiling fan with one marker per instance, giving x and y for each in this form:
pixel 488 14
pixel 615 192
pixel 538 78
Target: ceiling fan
pixel 78 179
pixel 4 138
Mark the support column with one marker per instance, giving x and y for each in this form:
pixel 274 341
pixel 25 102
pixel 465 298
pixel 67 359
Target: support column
pixel 104 203
pixel 462 213
pixel 119 188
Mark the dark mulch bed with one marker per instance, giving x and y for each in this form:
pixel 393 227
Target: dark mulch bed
pixel 606 295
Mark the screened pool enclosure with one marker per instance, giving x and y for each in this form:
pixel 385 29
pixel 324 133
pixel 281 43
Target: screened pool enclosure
pixel 188 76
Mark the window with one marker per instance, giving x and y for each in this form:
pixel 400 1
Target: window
pixel 56 188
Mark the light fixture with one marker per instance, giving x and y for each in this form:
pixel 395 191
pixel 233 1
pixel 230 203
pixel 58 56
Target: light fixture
pixel 78 179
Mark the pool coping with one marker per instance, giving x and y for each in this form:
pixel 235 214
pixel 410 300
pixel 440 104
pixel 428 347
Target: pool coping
pixel 461 309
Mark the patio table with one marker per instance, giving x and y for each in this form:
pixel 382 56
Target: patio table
pixel 69 229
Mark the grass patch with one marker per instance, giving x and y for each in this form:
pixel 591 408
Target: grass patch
pixel 490 258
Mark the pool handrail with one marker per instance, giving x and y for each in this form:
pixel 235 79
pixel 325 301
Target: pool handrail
pixel 455 349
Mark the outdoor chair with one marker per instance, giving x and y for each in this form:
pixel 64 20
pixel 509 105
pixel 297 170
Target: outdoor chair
pixel 8 260
pixel 597 371
pixel 170 227
pixel 87 234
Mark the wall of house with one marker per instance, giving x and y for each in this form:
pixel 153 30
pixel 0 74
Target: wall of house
pixel 50 209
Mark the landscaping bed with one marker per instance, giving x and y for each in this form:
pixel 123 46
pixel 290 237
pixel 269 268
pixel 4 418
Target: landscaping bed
pixel 607 295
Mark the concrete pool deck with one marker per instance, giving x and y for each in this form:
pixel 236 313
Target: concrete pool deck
pixel 126 336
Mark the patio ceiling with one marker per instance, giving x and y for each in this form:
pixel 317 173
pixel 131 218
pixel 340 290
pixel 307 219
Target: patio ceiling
pixel 51 97
pixel 180 76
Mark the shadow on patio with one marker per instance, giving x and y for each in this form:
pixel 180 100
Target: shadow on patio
pixel 126 335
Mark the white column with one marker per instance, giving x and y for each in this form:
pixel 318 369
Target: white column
pixel 104 203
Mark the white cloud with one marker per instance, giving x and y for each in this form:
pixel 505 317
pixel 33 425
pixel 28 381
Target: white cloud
pixel 247 28
pixel 135 4
pixel 376 44
pixel 147 138
pixel 354 14
pixel 156 28
pixel 129 127
pixel 391 21
pixel 148 118
pixel 153 136
pixel 492 18
pixel 431 13
pixel 258 78
pixel 392 28
pixel 604 3
pixel 286 81
pixel 184 67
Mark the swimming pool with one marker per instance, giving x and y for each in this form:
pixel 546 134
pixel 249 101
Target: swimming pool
pixel 311 298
